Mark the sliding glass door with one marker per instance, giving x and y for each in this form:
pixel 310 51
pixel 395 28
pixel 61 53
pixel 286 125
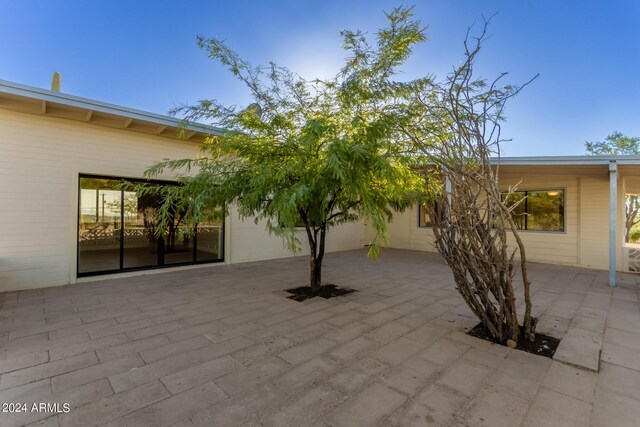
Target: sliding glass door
pixel 140 243
pixel 117 231
pixel 100 223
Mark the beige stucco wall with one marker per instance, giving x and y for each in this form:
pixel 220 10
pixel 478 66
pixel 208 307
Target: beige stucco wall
pixel 556 247
pixel 404 232
pixel 584 241
pixel 249 242
pixel 40 160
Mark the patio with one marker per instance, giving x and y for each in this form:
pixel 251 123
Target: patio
pixel 222 346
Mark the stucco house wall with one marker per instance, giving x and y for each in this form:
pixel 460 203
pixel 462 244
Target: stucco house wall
pixel 585 239
pixel 48 139
pixel 41 158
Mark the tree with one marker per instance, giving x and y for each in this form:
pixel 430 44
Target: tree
pixel 617 144
pixel 130 205
pixel 320 152
pixel 458 126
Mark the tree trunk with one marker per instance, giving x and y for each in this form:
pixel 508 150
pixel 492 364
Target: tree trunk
pixel 315 271
pixel 315 260
pixel 627 229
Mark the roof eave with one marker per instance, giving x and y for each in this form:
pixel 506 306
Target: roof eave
pixel 566 160
pixel 76 102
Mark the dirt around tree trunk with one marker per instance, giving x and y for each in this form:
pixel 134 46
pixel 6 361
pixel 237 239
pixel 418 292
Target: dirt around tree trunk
pixel 303 293
pixel 542 345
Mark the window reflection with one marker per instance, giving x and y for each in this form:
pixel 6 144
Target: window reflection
pixel 99 225
pixel 424 219
pixel 210 241
pixel 140 247
pixel 541 210
pixel 105 245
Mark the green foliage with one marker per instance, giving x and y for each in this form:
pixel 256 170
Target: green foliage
pixel 634 235
pixel 324 152
pixel 616 144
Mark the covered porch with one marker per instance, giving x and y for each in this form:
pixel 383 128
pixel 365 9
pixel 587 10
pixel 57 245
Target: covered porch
pixel 603 186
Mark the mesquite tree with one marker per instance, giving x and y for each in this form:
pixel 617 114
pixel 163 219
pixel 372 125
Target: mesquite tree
pixel 314 153
pixel 458 125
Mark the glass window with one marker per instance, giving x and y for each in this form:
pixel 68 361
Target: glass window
pixel 140 248
pixel 117 231
pixel 540 210
pixel 424 219
pixel 99 225
pixel 209 236
pixel 516 201
pixel 178 249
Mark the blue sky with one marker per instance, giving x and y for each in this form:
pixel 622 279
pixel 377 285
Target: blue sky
pixel 143 54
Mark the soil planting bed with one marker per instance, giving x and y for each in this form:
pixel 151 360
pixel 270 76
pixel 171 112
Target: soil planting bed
pixel 543 345
pixel 326 291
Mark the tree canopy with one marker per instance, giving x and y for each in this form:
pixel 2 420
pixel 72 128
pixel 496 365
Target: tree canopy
pixel 618 144
pixel 615 144
pixel 318 153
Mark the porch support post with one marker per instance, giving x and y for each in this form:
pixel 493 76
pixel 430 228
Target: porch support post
pixel 613 217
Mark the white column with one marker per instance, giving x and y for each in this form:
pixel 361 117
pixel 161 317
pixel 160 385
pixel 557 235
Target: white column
pixel 447 189
pixel 613 217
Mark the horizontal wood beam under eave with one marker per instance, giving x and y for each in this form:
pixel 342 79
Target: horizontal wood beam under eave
pixel 127 123
pixel 189 134
pixel 160 129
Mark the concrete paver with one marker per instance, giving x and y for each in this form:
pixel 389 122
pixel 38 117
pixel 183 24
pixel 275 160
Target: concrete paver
pixel 223 346
pixel 367 408
pixel 495 407
pixel 550 409
pixel 571 381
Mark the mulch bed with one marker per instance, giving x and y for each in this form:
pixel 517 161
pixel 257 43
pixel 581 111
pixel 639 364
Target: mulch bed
pixel 326 291
pixel 543 345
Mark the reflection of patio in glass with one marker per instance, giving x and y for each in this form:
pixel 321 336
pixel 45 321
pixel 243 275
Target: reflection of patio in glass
pixel 105 245
pixel 100 249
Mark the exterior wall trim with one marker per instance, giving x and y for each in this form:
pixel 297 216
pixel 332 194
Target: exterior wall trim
pixel 78 102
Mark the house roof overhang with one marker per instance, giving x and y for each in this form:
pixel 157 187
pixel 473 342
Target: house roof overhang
pixel 567 160
pixel 627 165
pixel 33 100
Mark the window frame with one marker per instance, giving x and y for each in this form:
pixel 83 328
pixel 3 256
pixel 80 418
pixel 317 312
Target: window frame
pixel 420 206
pixel 533 190
pixel 122 269
pixel 564 205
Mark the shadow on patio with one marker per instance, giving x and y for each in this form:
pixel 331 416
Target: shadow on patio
pixel 223 346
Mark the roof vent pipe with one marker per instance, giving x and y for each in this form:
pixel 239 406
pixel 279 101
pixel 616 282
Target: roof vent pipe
pixel 55 82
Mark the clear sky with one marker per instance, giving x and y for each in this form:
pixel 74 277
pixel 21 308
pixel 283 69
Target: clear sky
pixel 142 54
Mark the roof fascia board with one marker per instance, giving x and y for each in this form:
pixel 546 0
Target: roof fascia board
pixel 565 160
pixel 102 107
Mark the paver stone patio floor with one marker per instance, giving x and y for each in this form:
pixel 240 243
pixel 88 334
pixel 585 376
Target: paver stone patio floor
pixel 222 346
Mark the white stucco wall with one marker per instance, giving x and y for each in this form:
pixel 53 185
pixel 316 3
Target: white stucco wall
pixel 249 242
pixel 40 161
pixel 584 241
pixel 41 158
